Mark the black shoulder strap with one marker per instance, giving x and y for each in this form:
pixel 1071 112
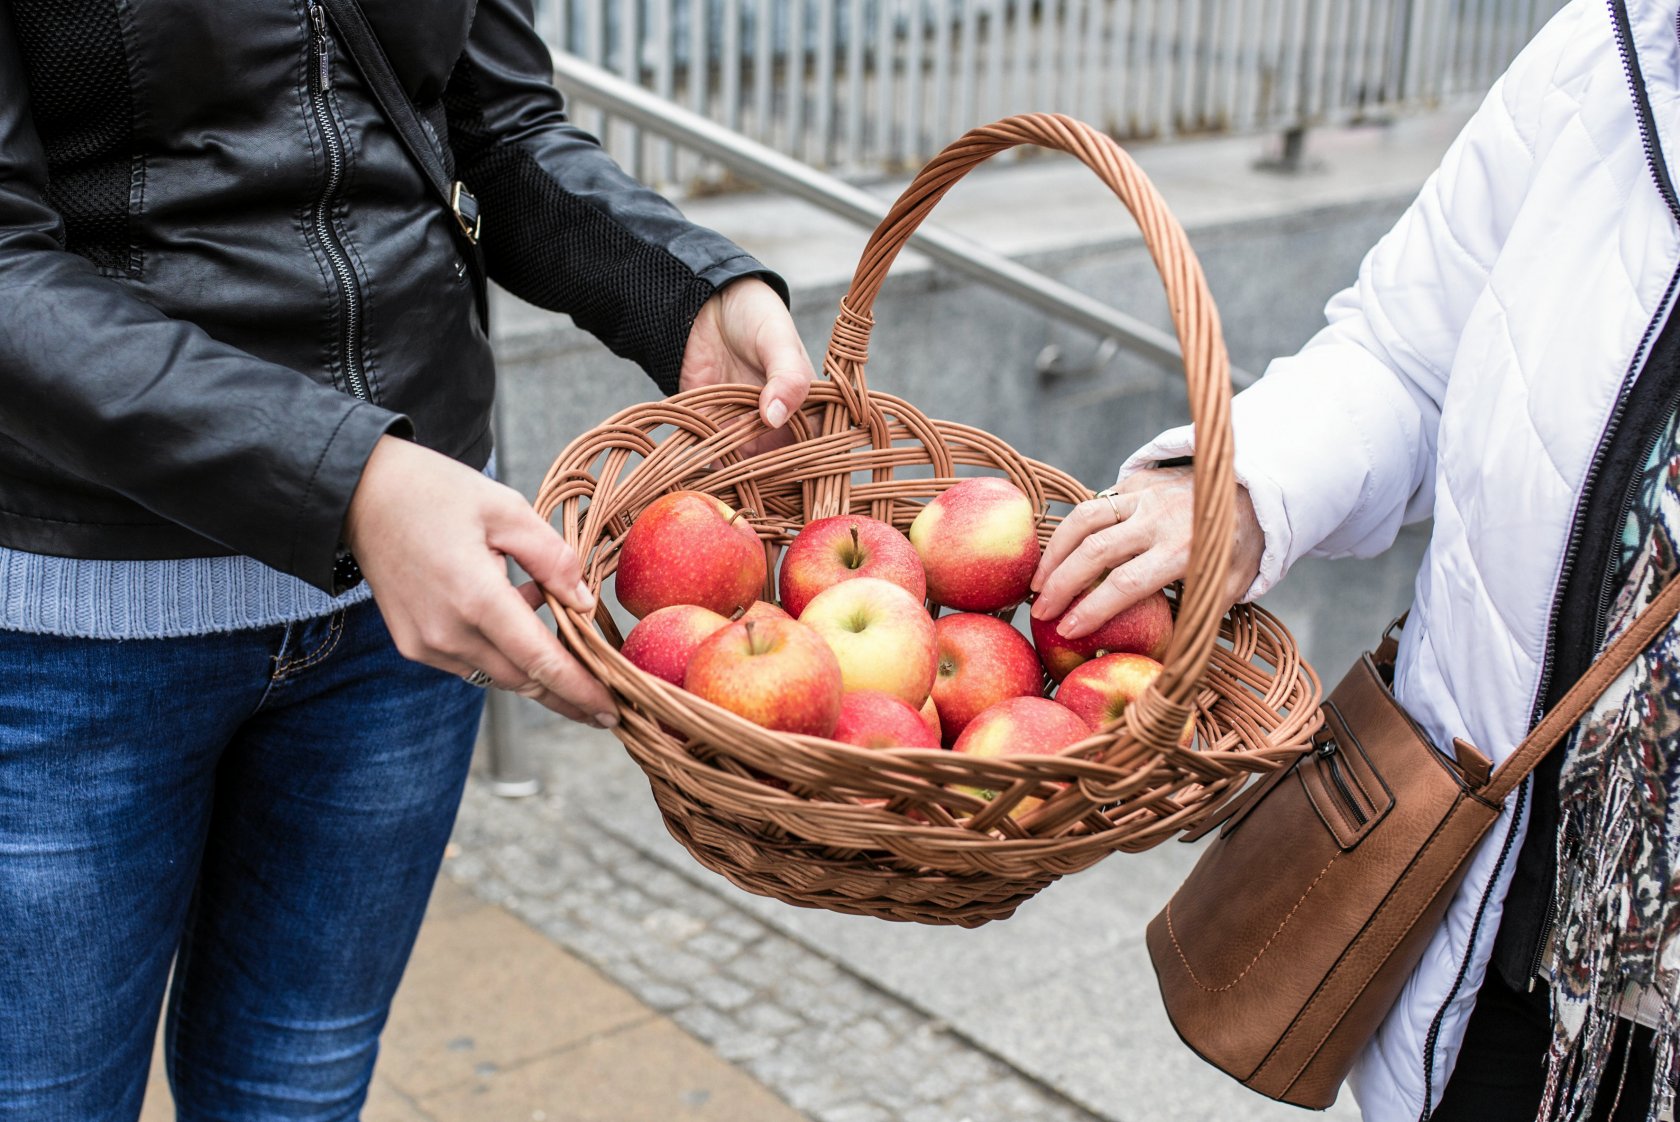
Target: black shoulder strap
pixel 369 56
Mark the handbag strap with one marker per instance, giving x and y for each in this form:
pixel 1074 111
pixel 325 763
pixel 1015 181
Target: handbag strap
pixel 1567 713
pixel 369 56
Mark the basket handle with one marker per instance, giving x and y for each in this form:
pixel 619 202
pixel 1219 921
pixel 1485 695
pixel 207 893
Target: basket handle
pixel 1206 368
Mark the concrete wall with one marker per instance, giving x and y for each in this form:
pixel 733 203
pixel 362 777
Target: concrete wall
pixel 968 354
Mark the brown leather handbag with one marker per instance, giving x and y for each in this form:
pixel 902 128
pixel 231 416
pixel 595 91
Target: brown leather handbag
pixel 1286 947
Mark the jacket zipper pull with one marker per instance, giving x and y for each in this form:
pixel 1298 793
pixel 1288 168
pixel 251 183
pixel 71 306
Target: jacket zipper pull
pixel 323 57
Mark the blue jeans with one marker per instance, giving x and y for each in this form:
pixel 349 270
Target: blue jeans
pixel 265 810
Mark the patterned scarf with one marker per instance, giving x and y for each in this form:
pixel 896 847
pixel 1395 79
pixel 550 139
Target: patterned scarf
pixel 1619 836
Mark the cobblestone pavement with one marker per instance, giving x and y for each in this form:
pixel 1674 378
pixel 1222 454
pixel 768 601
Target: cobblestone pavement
pixel 835 1047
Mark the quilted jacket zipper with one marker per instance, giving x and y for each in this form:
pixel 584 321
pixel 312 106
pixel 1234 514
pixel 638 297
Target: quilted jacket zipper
pixel 320 83
pixel 1606 594
pixel 1659 172
pixel 1607 591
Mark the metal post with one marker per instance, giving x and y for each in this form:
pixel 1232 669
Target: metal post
pixel 513 774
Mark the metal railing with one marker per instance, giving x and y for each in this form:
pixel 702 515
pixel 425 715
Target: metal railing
pixel 863 87
pixel 765 167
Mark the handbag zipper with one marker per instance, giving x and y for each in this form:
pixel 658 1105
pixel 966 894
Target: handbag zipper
pixel 1659 173
pixel 320 82
pixel 1327 752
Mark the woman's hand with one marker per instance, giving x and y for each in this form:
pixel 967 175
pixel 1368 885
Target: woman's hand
pixel 744 336
pixel 430 536
pixel 1135 544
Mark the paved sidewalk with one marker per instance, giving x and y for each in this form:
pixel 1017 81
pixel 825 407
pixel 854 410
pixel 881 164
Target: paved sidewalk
pixel 588 863
pixel 495 1023
pixel 1051 1016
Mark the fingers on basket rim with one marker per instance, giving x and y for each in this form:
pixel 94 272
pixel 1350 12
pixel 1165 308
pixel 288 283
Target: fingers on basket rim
pixel 516 632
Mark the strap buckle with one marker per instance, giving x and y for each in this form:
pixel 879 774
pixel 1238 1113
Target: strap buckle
pixel 465 205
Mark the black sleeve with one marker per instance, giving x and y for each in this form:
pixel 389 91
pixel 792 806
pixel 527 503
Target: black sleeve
pixel 564 226
pixel 255 456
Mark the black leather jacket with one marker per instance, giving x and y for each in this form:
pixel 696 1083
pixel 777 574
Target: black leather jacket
pixel 222 279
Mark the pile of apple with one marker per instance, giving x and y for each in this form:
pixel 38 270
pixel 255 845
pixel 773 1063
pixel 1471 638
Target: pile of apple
pixel 853 652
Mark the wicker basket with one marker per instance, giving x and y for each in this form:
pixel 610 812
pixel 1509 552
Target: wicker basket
pixel 889 833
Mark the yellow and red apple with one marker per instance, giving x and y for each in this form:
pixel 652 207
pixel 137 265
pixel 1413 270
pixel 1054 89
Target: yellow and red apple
pixel 872 719
pixel 775 673
pixel 982 661
pixel 978 541
pixel 663 643
pixel 689 548
pixel 882 636
pixel 1101 689
pixel 1020 726
pixel 1144 628
pixel 831 550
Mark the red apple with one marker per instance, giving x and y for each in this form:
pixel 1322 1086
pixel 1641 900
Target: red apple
pixel 930 714
pixel 1144 628
pixel 1100 690
pixel 764 609
pixel 880 633
pixel 979 544
pixel 1021 726
pixel 831 550
pixel 689 548
pixel 775 673
pixel 872 719
pixel 662 643
pixel 982 661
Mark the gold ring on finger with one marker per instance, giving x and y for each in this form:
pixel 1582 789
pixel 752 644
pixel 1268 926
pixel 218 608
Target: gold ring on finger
pixel 1112 505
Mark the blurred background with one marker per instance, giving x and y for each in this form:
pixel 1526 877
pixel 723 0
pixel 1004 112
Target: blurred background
pixel 579 965
pixel 865 87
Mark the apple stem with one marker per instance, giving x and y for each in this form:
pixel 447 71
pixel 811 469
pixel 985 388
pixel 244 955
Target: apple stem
pixel 857 547
pixel 752 647
pixel 743 512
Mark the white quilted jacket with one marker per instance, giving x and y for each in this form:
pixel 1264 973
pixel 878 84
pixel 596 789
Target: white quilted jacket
pixel 1472 373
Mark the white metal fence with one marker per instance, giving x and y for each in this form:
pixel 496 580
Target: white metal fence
pixel 869 86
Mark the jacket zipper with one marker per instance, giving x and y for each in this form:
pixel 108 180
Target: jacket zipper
pixel 1327 752
pixel 1464 963
pixel 320 82
pixel 1606 591
pixel 1659 173
pixel 1571 838
pixel 1601 612
pixel 1545 940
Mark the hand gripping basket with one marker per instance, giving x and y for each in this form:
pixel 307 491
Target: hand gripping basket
pixel 891 833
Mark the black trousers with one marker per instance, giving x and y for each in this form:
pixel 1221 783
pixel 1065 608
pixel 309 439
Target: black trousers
pixel 1501 1073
